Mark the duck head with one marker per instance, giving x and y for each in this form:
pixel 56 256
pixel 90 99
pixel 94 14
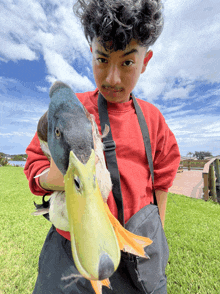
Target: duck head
pixel 68 127
pixel 94 244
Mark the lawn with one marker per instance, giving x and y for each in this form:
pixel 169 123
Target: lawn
pixel 192 229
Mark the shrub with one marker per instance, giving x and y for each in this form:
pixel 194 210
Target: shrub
pixel 3 161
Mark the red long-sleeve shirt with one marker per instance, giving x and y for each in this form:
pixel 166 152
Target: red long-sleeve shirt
pixel 130 151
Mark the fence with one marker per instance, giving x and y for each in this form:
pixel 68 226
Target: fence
pixel 211 177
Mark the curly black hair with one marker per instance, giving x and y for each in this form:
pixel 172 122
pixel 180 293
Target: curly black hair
pixel 117 22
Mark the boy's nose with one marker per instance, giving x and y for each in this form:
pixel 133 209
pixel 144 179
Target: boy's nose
pixel 113 76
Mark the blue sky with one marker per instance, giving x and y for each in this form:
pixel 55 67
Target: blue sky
pixel 41 41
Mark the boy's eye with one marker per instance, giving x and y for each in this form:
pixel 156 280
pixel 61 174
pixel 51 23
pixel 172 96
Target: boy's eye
pixel 128 62
pixel 101 60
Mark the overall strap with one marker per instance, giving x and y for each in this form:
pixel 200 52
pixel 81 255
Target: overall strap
pixel 146 138
pixel 110 154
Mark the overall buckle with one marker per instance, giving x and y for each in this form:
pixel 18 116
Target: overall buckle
pixel 109 145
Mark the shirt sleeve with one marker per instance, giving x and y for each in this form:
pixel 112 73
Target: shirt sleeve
pixel 36 163
pixel 167 157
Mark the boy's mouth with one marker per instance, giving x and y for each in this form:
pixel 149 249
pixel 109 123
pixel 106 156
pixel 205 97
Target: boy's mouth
pixel 111 89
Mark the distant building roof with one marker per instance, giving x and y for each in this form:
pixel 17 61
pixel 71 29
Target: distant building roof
pixel 187 158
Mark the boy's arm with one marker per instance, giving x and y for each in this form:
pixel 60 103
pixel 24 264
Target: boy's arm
pixel 37 163
pixel 52 179
pixel 166 163
pixel 162 203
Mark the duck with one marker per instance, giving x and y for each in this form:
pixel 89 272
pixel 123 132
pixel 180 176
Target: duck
pixel 69 135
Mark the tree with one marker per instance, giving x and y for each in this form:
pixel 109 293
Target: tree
pixel 189 154
pixel 3 161
pixel 202 154
pixel 18 158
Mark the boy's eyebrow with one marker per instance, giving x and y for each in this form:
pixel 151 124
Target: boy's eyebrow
pixel 102 53
pixel 130 52
pixel 125 54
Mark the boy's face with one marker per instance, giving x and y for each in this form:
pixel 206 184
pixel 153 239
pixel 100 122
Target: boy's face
pixel 117 72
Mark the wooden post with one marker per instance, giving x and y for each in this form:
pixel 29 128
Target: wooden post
pixel 206 185
pixel 206 177
pixel 212 185
pixel 217 171
pixel 189 165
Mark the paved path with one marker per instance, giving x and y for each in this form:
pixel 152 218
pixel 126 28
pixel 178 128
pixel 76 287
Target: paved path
pixel 188 183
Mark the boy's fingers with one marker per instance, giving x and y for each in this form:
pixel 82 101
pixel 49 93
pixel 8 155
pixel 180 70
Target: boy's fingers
pixel 55 173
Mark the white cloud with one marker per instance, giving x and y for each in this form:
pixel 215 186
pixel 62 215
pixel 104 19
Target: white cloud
pixel 180 114
pixel 213 92
pixel 18 24
pixel 42 89
pixel 30 28
pixel 17 134
pixel 170 110
pixel 188 48
pixel 186 53
pixel 61 70
pixel 213 128
pixel 15 51
pixel 195 133
pixel 181 93
pixel 19 113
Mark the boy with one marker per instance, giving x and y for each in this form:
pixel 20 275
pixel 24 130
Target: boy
pixel 119 34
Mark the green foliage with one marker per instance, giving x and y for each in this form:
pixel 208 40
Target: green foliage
pixel 3 161
pixel 202 154
pixel 189 154
pixel 194 163
pixel 17 157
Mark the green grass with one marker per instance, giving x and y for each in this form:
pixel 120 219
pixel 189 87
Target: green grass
pixel 192 229
pixel 21 235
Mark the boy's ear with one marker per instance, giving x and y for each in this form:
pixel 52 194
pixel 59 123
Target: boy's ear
pixel 148 56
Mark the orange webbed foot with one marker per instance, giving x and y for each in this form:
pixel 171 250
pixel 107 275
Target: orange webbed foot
pixel 97 285
pixel 128 241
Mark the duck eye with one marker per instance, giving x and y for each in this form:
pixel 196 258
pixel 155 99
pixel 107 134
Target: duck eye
pixel 77 183
pixel 57 133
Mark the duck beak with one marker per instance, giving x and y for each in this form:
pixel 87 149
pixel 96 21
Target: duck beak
pixel 94 245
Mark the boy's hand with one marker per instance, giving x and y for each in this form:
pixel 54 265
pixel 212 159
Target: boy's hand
pixel 53 179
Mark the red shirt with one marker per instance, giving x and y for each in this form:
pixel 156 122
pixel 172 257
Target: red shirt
pixel 130 152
